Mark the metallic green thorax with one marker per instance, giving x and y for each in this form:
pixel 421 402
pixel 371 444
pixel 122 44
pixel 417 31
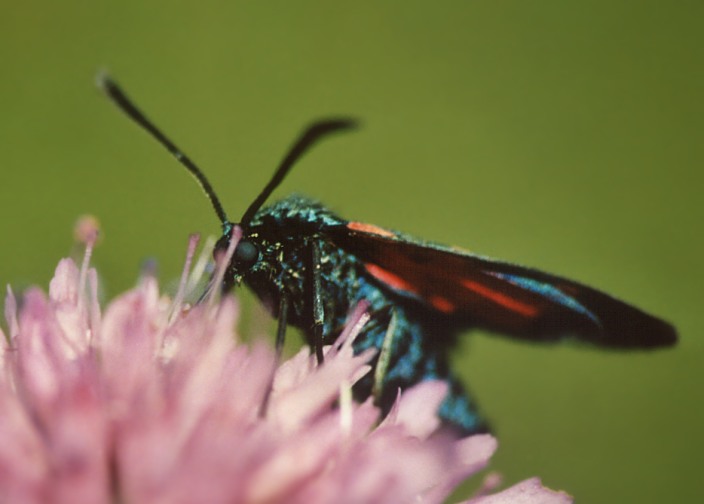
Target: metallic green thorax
pixel 284 235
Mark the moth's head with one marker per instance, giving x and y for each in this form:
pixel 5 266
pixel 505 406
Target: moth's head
pixel 246 257
pixel 261 247
pixel 274 240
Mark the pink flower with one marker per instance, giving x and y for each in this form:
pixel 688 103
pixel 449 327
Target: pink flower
pixel 151 403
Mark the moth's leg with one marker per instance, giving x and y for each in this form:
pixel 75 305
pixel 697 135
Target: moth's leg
pixel 280 337
pixel 281 330
pixel 318 309
pixel 382 363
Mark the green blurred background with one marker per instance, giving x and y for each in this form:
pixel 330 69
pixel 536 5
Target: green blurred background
pixel 563 135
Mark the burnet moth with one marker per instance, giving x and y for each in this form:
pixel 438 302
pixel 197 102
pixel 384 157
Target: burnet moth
pixel 312 267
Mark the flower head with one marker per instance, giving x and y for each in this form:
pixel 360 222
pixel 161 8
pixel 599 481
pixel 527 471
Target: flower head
pixel 151 403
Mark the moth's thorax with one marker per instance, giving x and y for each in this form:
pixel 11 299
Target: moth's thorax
pixel 284 234
pixel 295 215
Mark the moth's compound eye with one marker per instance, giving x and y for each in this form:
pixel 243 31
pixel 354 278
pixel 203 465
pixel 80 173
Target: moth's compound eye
pixel 246 254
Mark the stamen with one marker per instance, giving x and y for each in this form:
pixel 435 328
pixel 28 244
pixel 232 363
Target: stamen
pixel 345 408
pixel 148 269
pixel 222 264
pixel 355 322
pixel 94 307
pixel 181 292
pixel 201 265
pixel 85 231
pixel 382 364
pixel 491 482
pixel 264 406
pixel 11 317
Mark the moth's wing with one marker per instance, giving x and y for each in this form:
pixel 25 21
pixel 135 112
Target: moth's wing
pixel 499 296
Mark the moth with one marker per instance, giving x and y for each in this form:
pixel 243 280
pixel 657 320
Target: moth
pixel 312 267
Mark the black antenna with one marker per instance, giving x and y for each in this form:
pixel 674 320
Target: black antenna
pixel 308 138
pixel 116 94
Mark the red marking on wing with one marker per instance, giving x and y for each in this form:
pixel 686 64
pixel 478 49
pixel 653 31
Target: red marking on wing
pixel 442 304
pixel 391 279
pixel 369 228
pixel 502 299
pixel 483 297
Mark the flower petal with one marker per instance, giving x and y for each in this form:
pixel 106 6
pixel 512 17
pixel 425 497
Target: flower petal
pixel 530 491
pixel 148 404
